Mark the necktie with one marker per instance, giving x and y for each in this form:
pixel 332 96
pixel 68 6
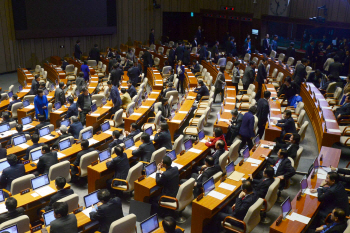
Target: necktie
pixel 277 161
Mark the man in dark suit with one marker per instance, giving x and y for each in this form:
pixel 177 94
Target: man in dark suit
pixel 108 211
pixel 111 63
pixel 121 166
pixel 63 134
pixel 116 140
pixel 274 45
pixel 289 89
pixel 234 126
pixel 114 96
pixel 338 222
pixel 84 104
pixel 42 124
pixel 203 54
pixel 64 64
pixel 266 45
pixel 316 77
pixel 35 85
pixel 165 109
pixel 6 117
pixel 72 109
pixel 134 75
pixel 116 75
pixel 95 53
pixel 261 77
pixel 187 56
pixel 287 124
pixel 146 149
pixel 169 225
pixel 179 52
pixel 3 153
pixel 13 211
pixel 80 82
pixel 19 129
pixel 344 109
pixel 194 42
pixel 35 139
pixel 292 146
pixel 14 100
pixel 201 91
pixel 59 94
pixel 84 150
pixel 147 60
pixel 133 131
pixel 290 51
pixel 46 160
pixel 195 68
pixel 249 75
pixel 131 89
pixel 309 53
pixel 163 138
pixel 247 128
pixel 151 37
pixel 261 186
pixel 262 112
pixel 171 58
pixel 215 52
pixel 170 88
pixel 219 150
pixel 77 51
pixel 75 127
pixel 14 171
pixel 64 222
pixel 220 84
pixel 335 68
pixel 300 74
pixel 199 34
pixel 60 182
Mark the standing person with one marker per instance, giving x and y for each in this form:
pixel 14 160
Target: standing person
pixel 247 131
pixel 41 104
pixel 95 53
pixel 220 84
pixel 80 82
pixel 266 45
pixel 35 85
pixel 346 63
pixel 262 112
pixel 180 71
pixel 85 69
pixel 179 52
pixel 194 42
pixel 234 126
pixel 115 97
pixel 215 52
pixel 147 60
pixel 249 75
pixel 203 54
pixel 111 63
pixel 274 43
pixel 134 75
pixel 290 51
pixel 84 104
pixel 171 58
pixel 199 34
pixel 236 76
pixel 187 56
pixel 151 37
pixel 247 46
pixel 261 78
pixel 116 75
pixel 77 51
pixel 335 68
pixel 59 94
pixel 309 53
pixel 300 74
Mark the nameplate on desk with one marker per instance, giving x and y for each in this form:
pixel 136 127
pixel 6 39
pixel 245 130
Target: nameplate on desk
pixel 226 110
pixel 141 178
pixel 94 163
pixel 29 107
pixel 229 103
pixel 95 114
pixel 275 109
pixel 23 145
pixel 36 228
pixel 333 130
pixel 59 112
pixel 107 107
pixel 183 112
pixel 230 89
pixel 92 87
pixel 25 161
pixel 193 150
pixel 330 120
pixel 151 99
pixel 227 186
pixel 60 155
pixel 270 88
pixel 24 191
pixel 154 92
pixel 230 98
pixel 326 108
pixel 78 210
pixel 145 107
pixel 136 114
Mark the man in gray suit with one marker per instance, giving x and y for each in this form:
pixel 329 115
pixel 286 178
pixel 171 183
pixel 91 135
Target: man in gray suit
pixel 220 84
pixel 35 85
pixel 64 222
pixel 59 94
pixel 80 82
pixel 249 75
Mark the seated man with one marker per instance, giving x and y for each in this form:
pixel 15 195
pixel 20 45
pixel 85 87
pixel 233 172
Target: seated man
pixel 6 117
pixel 84 150
pixel 42 124
pixel 19 129
pixel 63 134
pixel 338 224
pixel 344 176
pixel 14 100
pixel 261 186
pixel 170 87
pixel 131 89
pixel 195 68
pixel 169 225
pixel 234 126
pixel 170 78
pixel 146 149
pixel 35 140
pixel 163 138
pixel 324 87
pixel 60 182
pixel 72 109
pixel 344 110
pixel 133 131
pixel 75 127
pixel 14 171
pixel 292 146
pixel 107 211
pixel 13 211
pixel 46 160
pixel 287 124
pixel 201 91
pixel 289 89
pixel 125 97
pixel 64 222
pixel 220 149
pixel 116 140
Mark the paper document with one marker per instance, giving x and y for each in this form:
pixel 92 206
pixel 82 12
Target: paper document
pixel 58 112
pixel 230 89
pixel 176 121
pixel 216 195
pixel 271 88
pixel 256 161
pixel 108 132
pixel 34 195
pixel 275 109
pixel 321 175
pixel 203 140
pixel 25 90
pixel 330 120
pixel 95 114
pixel 333 130
pixel 275 118
pixel 92 87
pixel 30 107
pixel 183 112
pixel 300 218
pixel 88 210
pixel 151 99
pixel 132 148
pixel 151 137
pixel 145 107
pixel 94 81
pixel 159 84
pixel 265 145
pixel 225 120
pixel 92 141
pixel 230 98
pixel 230 103
pixel 237 176
pixel 195 151
pixel 153 175
pixel 179 166
pixel 327 169
pixel 136 114
pixel 308 192
pixel 48 137
pixel 226 110
pixel 23 145
pixel 107 107
pixel 227 186
pixel 44 191
pixel 3 208
pixel 60 155
pixel 326 108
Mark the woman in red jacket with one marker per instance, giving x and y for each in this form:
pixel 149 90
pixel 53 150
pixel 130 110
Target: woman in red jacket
pixel 218 135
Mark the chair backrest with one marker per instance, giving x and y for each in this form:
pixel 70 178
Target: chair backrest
pixel 302 130
pixel 60 169
pixel 273 54
pixel 255 59
pixel 45 73
pixel 130 106
pixel 280 77
pixel 209 54
pixel 30 98
pixel 140 54
pixel 185 194
pixel 14 109
pixel 274 73
pixel 175 95
pixel 290 61
pixel 178 144
pixel 272 194
pixel 125 224
pixel 281 57
pixel 11 88
pixel 200 124
pixel 21 183
pixel 217 176
pixel 99 66
pixel 22 222
pixel 86 160
pixel 255 122
pixel 223 160
pixel 299 107
pixel 166 70
pixel 176 82
pixel 331 87
pixel 49 109
pixel 70 68
pixel 337 92
pixel 229 65
pixel 252 218
pixel 134 173
pixel 233 151
pixel 160 50
pixel 84 130
pixel 41 71
pixel 301 116
pixel 194 50
pixel 118 119
pixel 98 98
pixel 170 101
pixel 297 157
pixel 37 68
pixel 167 52
pixel 158 155
pixel 247 57
pixel 156 107
pixel 268 69
pixel 291 161
pixel 92 62
pixel 137 137
pixel 171 43
pixel 157 119
pixel 156 61
pixel 72 201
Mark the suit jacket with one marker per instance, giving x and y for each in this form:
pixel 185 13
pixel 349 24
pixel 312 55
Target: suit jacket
pixel 187 57
pixel 199 35
pixel 261 186
pixel 147 59
pixel 81 153
pixel 111 63
pixel 236 76
pixel 292 150
pixel 163 139
pixel 72 111
pixel 243 204
pixel 67 223
pixel 263 110
pixel 121 166
pixel 266 46
pixel 236 123
pixel 39 126
pixel 220 80
pixel 26 157
pixel 182 75
pixel 248 76
pixel 95 54
pixel 247 127
pixel 59 195
pixel 3 153
pixel 115 143
pixel 77 51
pixel 337 228
pixel 116 76
pixel 81 100
pixel 165 111
pixel 335 69
pixel 290 91
pixel 34 88
pixel 274 45
pixel 287 125
pixel 194 43
pixel 151 38
pixel 132 91
pixel 169 180
pixel 290 52
pixel 60 96
pixel 11 215
pixel 262 75
pixel 12 103
pixel 207 173
pixel 144 151
pixel 343 110
pixel 284 169
pixel 216 155
pixel 133 133
pixel 75 129
pixel 333 197
pixel 63 136
pixel 309 52
pixel 202 91
pixel 203 53
pixel 108 213
pixel 11 173
pixel 299 75
pixel 196 68
pixel 46 161
pixel 133 74
pixel 171 58
pixel 80 82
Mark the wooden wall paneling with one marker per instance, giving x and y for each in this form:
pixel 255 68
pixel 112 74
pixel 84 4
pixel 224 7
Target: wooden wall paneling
pixel 2 39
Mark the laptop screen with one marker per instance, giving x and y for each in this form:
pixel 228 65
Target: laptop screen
pixel 4 127
pixel 86 135
pixel 2 196
pixel 131 111
pixel 26 103
pixel 36 154
pixel 106 154
pixel 19 140
pixel 40 181
pixel 150 224
pixel 44 131
pixel 93 108
pixel 257 140
pixel 105 126
pixel 218 115
pixel 230 168
pixel 149 131
pixel 208 186
pixel 246 153
pixel 20 88
pixel 77 93
pixel 10 229
pixel 26 120
pixel 286 207
pixel 10 94
pixel 104 101
pixel 201 135
pixel 49 217
pixel 303 185
pixel 46 92
pixel 91 199
pixel 64 144
pixel 65 122
pixel 188 144
pixel 129 143
pixel 4 165
pixel 172 155
pixel 150 168
pixel 58 105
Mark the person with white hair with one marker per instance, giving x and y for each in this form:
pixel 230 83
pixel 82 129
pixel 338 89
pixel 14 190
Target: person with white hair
pixel 63 134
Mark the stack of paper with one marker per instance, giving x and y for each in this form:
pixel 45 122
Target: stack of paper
pixel 30 107
pixel 227 186
pixel 275 118
pixel 151 99
pixel 3 208
pixel 58 112
pixel 95 114
pixel 108 132
pixel 275 109
pixel 88 210
pixel 44 191
pixel 299 218
pixel 92 141
pixel 151 137
pixel 216 195
pixel 195 151
pixel 48 137
pixel 333 130
pixel 25 127
pixel 177 121
pixel 179 166
pixel 132 148
pixel 153 175
pixel 230 98
pixel 237 176
pixel 321 174
pixel 251 160
pixel 225 120
pixel 308 192
pixel 23 145
pixel 145 107
pixel 183 112
pixel 60 155
pixel 136 114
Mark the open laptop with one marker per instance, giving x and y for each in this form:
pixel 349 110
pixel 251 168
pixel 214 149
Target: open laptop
pixel 131 111
pixel 188 144
pixel 201 135
pixel 91 199
pixel 172 114
pixel 10 94
pixel 104 101
pixel 208 186
pixel 104 155
pixel 26 120
pixel 35 155
pixel 230 168
pixel 303 185
pixel 246 153
pixel 150 169
pixel 77 93
pixel 10 229
pixel 93 108
pixel 20 139
pixel 129 143
pixel 150 224
pixel 149 131
pixel 4 127
pixel 105 126
pixel 2 198
pixel 58 105
pixel 25 103
pixel 256 140
pixel 64 144
pixel 65 122
pixel 40 181
pixel 172 155
pixel 49 217
pixel 286 207
pixel 3 165
pixel 46 92
pixel 20 88
pixel 87 135
pixel 44 131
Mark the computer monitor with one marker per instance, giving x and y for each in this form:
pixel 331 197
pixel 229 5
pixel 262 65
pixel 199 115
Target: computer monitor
pixel 230 168
pixel 19 140
pixel 44 131
pixel 150 168
pixel 105 126
pixel 40 181
pixel 58 105
pixel 65 122
pixel 188 144
pixel 246 153
pixel 316 164
pixel 87 135
pixel 49 217
pixel 201 135
pixel 26 120
pixel 150 224
pixel 93 108
pixel 91 199
pixel 303 185
pixel 255 32
pixel 218 116
pixel 77 93
pixel 106 154
pixel 2 198
pixel 3 165
pixel 46 92
pixel 64 144
pixel 4 127
pixel 139 102
pixel 129 143
pixel 35 155
pixel 11 229
pixel 208 186
pixel 172 114
pixel 149 131
pixel 26 103
pixel 10 94
pixel 257 140
pixel 52 87
pixel 131 111
pixel 172 155
pixel 104 101
pixel 20 88
pixel 286 207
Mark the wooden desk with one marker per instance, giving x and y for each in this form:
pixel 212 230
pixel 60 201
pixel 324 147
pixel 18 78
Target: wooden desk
pixel 162 57
pixel 155 79
pixel 229 104
pixel 191 79
pixel 77 64
pixel 24 76
pixel 54 73
pixel 308 205
pixel 272 131
pixel 56 60
pixel 4 104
